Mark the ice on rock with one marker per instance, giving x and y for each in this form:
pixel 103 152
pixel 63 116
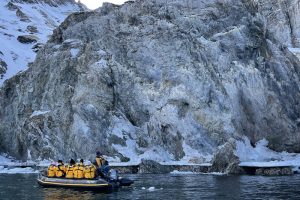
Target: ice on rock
pixel 262 156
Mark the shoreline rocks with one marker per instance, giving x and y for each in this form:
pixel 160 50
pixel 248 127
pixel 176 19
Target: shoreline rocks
pixel 275 171
pixel 225 160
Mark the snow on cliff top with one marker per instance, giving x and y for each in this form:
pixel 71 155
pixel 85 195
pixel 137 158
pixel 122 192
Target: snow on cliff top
pixel 38 20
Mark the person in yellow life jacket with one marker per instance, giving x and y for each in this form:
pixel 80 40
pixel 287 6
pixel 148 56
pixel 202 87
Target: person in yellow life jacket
pixel 99 161
pixel 101 164
pixel 52 170
pixel 89 170
pixel 70 169
pixel 61 169
pixel 79 170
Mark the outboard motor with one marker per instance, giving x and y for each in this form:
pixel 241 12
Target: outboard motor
pixel 113 174
pixel 125 182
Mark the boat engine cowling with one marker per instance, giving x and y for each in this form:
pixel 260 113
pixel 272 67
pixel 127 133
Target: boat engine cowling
pixel 113 174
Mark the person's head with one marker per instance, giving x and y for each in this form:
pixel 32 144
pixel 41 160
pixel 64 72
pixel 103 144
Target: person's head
pixel 81 160
pixel 72 162
pixel 60 162
pixel 98 153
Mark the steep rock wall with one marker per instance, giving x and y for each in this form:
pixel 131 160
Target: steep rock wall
pixel 282 20
pixel 166 80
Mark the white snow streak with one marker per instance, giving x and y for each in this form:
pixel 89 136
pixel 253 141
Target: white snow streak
pixel 39 112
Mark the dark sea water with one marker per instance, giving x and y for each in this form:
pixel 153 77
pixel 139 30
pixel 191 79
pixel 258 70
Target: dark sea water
pixel 167 186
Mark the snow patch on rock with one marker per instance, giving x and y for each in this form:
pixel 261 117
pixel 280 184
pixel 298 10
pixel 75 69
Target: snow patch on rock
pixel 39 112
pixel 262 156
pixel 74 52
pixel 41 17
pixel 295 51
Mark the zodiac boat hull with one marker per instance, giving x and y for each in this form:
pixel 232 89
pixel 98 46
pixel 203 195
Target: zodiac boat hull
pixel 94 184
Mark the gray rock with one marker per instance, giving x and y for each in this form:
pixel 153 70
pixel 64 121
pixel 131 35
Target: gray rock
pixel 11 6
pixel 27 39
pixel 32 29
pixel 169 79
pixel 37 47
pixel 3 67
pixel 274 171
pixel 283 20
pixel 225 160
pixel 23 17
pixel 152 167
pixel 49 2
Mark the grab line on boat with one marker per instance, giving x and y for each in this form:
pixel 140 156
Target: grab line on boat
pixel 70 184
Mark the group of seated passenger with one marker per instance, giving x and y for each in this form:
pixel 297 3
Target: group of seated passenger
pixel 79 170
pixel 72 170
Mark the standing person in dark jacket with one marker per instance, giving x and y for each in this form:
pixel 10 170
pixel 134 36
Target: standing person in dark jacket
pixel 101 164
pixel 99 161
pixel 105 168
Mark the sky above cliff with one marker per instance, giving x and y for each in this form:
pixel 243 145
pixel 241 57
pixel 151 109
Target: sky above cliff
pixel 93 4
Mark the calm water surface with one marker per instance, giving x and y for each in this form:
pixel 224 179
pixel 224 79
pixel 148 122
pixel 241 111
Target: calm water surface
pixel 167 186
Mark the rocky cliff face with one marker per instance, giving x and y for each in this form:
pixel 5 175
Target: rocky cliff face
pixel 25 26
pixel 166 80
pixel 283 20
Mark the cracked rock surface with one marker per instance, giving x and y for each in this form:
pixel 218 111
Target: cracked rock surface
pixel 170 80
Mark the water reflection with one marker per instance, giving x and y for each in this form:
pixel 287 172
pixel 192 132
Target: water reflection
pixel 66 194
pixel 227 187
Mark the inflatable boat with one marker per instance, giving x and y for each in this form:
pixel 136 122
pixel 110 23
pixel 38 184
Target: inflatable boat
pixel 90 184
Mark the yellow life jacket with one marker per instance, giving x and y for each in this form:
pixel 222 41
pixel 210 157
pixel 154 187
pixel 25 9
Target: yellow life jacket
pixel 51 171
pixel 100 161
pixel 89 171
pixel 70 171
pixel 60 172
pixel 79 171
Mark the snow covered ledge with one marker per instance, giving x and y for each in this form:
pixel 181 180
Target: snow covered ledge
pixel 295 51
pixel 261 157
